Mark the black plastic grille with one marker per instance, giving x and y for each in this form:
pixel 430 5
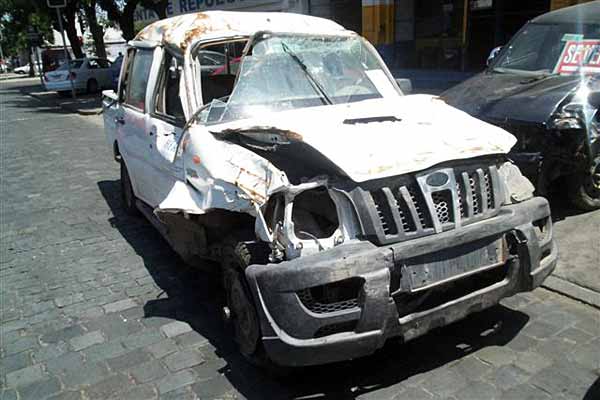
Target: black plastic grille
pixel 412 208
pixel 317 307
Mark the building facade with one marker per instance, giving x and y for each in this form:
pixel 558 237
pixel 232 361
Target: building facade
pixel 415 34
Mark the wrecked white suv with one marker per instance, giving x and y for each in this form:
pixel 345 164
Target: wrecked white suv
pixel 342 212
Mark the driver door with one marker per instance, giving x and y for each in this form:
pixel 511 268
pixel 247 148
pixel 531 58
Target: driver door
pixel 166 127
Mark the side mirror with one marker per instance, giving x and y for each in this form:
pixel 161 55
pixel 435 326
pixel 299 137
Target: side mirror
pixel 405 85
pixel 594 99
pixel 493 55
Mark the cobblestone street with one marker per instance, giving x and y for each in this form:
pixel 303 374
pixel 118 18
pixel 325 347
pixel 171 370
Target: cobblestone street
pixel 95 304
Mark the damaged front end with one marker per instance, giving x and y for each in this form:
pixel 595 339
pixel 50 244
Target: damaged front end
pixel 379 223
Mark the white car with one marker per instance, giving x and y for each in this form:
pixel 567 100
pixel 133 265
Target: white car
pixel 24 70
pixel 87 74
pixel 341 211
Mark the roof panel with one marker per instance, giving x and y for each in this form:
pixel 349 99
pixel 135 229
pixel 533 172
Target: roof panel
pixel 586 13
pixel 181 30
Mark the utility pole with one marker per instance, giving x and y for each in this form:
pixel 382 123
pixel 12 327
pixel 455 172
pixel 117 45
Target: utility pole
pixel 58 4
pixel 1 38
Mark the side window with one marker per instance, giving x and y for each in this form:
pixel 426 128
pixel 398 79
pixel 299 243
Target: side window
pixel 168 102
pixel 138 78
pixel 219 64
pixel 128 60
pixel 93 64
pixel 103 63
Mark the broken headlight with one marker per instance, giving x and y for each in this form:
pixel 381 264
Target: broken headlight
pixel 516 187
pixel 569 117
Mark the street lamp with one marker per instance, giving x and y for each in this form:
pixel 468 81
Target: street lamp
pixel 58 4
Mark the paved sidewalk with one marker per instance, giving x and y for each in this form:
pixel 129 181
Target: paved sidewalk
pixel 95 305
pixel 577 274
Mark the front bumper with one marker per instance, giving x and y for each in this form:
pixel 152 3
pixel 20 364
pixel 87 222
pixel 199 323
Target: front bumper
pixel 295 335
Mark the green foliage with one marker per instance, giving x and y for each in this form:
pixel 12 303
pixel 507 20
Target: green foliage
pixel 16 16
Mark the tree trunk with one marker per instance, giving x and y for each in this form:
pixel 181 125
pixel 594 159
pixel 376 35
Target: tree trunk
pixel 95 28
pixel 71 31
pixel 124 18
pixel 31 62
pixel 158 6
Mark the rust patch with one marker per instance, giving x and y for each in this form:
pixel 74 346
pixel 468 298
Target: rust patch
pixel 202 25
pixel 259 198
pixel 245 171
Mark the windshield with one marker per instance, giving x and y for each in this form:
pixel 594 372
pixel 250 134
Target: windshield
pixel 75 64
pixel 290 72
pixel 552 48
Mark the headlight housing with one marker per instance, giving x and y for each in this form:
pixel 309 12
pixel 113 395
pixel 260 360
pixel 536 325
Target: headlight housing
pixel 516 187
pixel 570 117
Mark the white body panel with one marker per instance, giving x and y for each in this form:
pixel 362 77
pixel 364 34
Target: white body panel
pixel 216 174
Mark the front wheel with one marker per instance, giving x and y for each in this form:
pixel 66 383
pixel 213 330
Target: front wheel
pixel 585 188
pixel 236 257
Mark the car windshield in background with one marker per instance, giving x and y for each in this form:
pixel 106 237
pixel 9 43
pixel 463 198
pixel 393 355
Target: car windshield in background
pixel 552 48
pixel 289 72
pixel 75 64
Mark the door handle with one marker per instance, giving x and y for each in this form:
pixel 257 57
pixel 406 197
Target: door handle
pixel 169 133
pixel 120 120
pixel 150 133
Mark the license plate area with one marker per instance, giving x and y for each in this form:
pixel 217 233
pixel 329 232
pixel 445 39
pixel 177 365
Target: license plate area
pixel 430 270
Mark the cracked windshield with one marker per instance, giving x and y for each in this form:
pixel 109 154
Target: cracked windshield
pixel 289 72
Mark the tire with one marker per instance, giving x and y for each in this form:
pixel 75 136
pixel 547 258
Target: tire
pixel 236 257
pixel 92 86
pixel 584 190
pixel 128 198
pixel 582 195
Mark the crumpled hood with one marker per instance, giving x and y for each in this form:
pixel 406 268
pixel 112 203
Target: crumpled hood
pixel 424 131
pixel 506 96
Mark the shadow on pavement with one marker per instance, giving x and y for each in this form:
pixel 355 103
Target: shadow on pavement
pixel 560 204
pixel 193 297
pixel 37 99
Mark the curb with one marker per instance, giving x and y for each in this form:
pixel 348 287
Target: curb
pixel 71 107
pixel 572 290
pixel 12 78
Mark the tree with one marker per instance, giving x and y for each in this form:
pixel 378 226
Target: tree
pixel 16 18
pixel 121 15
pixel 122 12
pixel 69 14
pixel 158 6
pixel 97 31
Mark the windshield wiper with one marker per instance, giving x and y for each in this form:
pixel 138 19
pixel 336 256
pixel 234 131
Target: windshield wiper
pixel 537 78
pixel 316 85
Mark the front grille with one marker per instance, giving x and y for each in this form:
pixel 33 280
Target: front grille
pixel 412 207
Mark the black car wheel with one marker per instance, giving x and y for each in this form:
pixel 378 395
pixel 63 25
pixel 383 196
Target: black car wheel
pixel 236 257
pixel 585 188
pixel 127 196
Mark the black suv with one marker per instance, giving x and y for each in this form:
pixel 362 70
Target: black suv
pixel 544 88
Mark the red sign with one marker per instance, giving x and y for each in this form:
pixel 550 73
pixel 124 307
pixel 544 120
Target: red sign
pixel 579 56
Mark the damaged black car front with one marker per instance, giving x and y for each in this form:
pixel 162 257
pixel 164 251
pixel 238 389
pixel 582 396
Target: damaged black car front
pixel 543 88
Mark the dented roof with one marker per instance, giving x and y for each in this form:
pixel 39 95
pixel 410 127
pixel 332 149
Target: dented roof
pixel 182 30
